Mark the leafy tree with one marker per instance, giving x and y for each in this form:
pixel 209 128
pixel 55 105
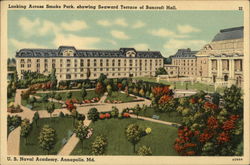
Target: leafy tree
pixel 81 117
pixel 144 151
pixel 133 133
pixel 88 73
pixel 25 129
pixel 109 90
pixel 53 79
pixel 216 98
pixel 99 89
pixel 32 101
pixel 36 117
pixel 50 108
pixel 69 95
pixel 93 114
pixel 160 71
pixel 81 132
pixel 98 146
pixel 142 93
pixel 114 111
pixel 47 138
pixel 137 110
pixel 102 77
pixel 83 93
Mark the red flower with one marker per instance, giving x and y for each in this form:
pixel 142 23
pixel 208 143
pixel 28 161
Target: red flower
pixel 234 117
pixel 192 100
pixel 212 123
pixel 228 125
pixel 126 115
pixel 102 116
pixel 209 105
pixel 165 99
pixel 119 85
pixel 107 115
pixel 205 137
pixel 223 137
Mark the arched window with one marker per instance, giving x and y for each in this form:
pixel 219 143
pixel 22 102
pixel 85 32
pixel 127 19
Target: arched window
pixel 226 78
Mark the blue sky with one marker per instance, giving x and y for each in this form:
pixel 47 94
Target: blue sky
pixel 164 31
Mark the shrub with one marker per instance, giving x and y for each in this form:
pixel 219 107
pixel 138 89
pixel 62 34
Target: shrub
pixel 61 114
pixel 102 116
pixel 144 151
pixel 126 115
pixel 107 115
pixel 98 146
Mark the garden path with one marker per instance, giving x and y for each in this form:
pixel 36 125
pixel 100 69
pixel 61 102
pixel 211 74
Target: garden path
pixel 13 142
pixel 72 142
pixel 154 120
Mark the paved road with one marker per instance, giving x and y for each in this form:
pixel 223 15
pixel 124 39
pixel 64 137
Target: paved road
pixel 14 142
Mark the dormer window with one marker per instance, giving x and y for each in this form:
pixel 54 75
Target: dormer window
pixel 130 53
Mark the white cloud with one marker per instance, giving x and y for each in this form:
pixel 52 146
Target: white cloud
pixel 75 25
pixel 187 29
pixel 104 23
pixel 141 46
pixel 21 44
pixel 162 32
pixel 47 27
pixel 77 41
pixel 173 45
pixel 28 26
pixel 121 22
pixel 119 35
pixel 138 24
pixel 112 42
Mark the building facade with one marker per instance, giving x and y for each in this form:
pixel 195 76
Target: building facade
pixel 73 64
pixel 185 60
pixel 223 58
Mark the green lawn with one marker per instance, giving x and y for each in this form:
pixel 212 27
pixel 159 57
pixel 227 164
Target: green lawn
pixel 160 140
pixel 179 85
pixel 75 95
pixel 41 105
pixel 170 117
pixel 61 125
pixel 118 96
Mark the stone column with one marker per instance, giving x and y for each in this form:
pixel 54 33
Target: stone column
pixel 219 72
pixel 209 70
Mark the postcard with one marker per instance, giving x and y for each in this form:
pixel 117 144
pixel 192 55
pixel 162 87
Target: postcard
pixel 124 82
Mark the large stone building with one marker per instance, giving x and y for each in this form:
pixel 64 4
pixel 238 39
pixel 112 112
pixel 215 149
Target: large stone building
pixel 73 64
pixel 221 61
pixel 183 63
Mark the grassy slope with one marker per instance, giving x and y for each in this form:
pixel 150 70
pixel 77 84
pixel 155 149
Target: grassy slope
pixel 61 125
pixel 120 97
pixel 160 140
pixel 172 117
pixel 41 105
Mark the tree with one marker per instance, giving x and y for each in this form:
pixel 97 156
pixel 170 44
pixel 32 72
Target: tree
pixel 74 114
pixel 50 108
pixel 160 71
pixel 144 151
pixel 114 111
pixel 133 133
pixel 32 101
pixel 109 90
pixel 83 93
pixel 142 93
pixel 53 79
pixel 88 73
pixel 25 129
pixel 69 95
pixel 47 138
pixel 98 146
pixel 216 98
pixel 36 117
pixel 137 110
pixel 58 96
pixel 102 77
pixel 99 89
pixel 93 114
pixel 81 131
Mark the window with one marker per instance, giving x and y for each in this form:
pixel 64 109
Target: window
pixel 88 62
pixel 107 62
pixel 22 65
pixel 68 76
pixel 38 60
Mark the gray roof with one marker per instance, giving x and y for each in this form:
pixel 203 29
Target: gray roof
pixel 229 34
pixel 184 53
pixel 53 53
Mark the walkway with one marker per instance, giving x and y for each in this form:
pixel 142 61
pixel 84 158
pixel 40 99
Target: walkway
pixel 154 120
pixel 13 142
pixel 72 142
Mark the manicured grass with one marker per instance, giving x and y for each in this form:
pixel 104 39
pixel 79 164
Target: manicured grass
pixel 118 96
pixel 41 105
pixel 182 85
pixel 160 140
pixel 75 95
pixel 170 117
pixel 61 125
